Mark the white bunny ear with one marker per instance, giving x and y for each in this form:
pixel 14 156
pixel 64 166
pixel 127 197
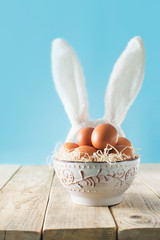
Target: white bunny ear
pixel 125 82
pixel 69 81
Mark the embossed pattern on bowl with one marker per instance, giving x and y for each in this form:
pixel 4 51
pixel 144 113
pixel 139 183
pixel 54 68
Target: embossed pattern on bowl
pixel 93 182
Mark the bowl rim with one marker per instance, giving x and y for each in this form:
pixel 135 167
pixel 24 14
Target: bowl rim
pixel 79 162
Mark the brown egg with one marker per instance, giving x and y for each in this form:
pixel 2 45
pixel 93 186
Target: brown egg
pixel 84 136
pixel 129 151
pixel 83 150
pixel 124 141
pixel 104 134
pixel 68 146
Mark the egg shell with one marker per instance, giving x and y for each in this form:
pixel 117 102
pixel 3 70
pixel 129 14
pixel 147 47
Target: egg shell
pixel 68 146
pixel 104 134
pixel 127 150
pixel 84 136
pixel 124 141
pixel 82 150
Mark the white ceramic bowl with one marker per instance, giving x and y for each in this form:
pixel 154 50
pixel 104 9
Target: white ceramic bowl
pixel 96 183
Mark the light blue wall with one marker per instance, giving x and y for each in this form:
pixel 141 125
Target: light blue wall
pixel 32 118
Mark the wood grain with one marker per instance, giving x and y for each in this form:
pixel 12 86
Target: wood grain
pixel 6 172
pixel 138 215
pixel 23 203
pixel 66 220
pixel 150 175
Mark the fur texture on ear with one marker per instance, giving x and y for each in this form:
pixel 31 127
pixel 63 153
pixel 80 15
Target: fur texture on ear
pixel 69 81
pixel 125 82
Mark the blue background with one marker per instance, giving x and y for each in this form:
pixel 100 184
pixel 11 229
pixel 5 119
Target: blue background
pixel 32 118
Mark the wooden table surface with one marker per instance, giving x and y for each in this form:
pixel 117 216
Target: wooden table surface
pixel 33 206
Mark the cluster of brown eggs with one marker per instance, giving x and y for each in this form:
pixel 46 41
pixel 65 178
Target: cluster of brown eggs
pixel 90 140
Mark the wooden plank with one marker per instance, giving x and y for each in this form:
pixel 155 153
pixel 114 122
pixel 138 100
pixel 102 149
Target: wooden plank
pixel 66 220
pixel 138 215
pixel 6 172
pixel 150 175
pixel 23 203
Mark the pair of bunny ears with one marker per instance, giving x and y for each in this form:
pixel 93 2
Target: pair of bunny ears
pixel 123 86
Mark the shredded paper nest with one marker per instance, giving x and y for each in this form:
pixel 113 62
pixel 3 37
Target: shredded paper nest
pixel 99 156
